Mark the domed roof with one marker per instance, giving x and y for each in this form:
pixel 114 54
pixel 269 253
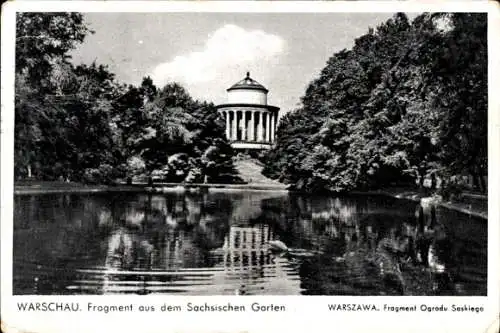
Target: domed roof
pixel 248 83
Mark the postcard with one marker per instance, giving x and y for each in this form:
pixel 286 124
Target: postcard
pixel 250 166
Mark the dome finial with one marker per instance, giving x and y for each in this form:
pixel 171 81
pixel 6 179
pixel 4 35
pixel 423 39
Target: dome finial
pixel 248 75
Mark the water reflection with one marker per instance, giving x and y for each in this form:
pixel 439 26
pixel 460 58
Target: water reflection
pixel 221 243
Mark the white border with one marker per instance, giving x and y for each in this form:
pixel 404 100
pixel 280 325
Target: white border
pixel 305 313
pixel 255 6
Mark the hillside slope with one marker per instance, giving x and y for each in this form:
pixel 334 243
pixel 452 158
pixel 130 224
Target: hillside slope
pixel 250 171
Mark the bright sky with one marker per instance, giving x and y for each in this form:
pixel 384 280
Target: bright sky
pixel 208 52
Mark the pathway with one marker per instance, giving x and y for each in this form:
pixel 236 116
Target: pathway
pixel 250 171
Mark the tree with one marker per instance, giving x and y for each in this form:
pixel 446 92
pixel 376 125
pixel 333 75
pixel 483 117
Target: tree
pixel 63 113
pixel 42 43
pixel 79 123
pixel 460 65
pixel 181 136
pixel 43 38
pixel 397 107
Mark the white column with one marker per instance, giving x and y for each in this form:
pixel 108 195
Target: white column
pixel 228 125
pixel 263 127
pixel 252 126
pixel 273 124
pixel 260 127
pixel 235 123
pixel 268 127
pixel 243 125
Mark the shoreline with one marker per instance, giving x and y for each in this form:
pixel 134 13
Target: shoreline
pixel 415 196
pixel 143 187
pixel 73 188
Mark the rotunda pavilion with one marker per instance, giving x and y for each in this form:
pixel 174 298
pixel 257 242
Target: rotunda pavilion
pixel 250 122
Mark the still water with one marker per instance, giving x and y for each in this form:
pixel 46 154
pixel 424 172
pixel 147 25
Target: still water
pixel 244 243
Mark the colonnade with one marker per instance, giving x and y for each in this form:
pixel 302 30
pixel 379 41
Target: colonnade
pixel 250 125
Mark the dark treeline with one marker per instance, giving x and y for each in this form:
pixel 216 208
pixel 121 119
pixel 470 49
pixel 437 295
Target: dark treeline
pixel 407 102
pixel 78 123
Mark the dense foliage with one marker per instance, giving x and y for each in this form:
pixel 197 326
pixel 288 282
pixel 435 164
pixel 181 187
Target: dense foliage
pixel 408 101
pixel 78 123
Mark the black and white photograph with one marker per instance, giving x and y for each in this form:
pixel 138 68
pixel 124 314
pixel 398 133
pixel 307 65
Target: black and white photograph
pixel 251 154
pixel 234 167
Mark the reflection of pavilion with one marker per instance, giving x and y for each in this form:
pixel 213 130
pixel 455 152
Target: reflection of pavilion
pixel 171 256
pixel 249 267
pixel 247 247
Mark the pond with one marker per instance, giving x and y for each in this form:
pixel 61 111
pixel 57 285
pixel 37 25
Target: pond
pixel 244 243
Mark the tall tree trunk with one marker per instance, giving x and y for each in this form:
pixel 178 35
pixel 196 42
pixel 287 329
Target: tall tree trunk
pixel 484 186
pixel 433 181
pixel 422 178
pixel 475 181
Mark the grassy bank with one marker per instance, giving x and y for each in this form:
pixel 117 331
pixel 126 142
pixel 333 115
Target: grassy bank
pixel 470 203
pixel 43 187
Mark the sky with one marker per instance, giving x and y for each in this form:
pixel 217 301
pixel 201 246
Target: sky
pixel 208 52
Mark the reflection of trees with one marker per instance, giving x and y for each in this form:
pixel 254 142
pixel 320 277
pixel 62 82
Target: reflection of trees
pixel 165 232
pixel 55 227
pixel 365 246
pixel 357 246
pixel 309 222
pixel 376 251
pixel 52 235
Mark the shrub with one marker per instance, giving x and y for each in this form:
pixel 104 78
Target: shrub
pixel 452 191
pixel 105 174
